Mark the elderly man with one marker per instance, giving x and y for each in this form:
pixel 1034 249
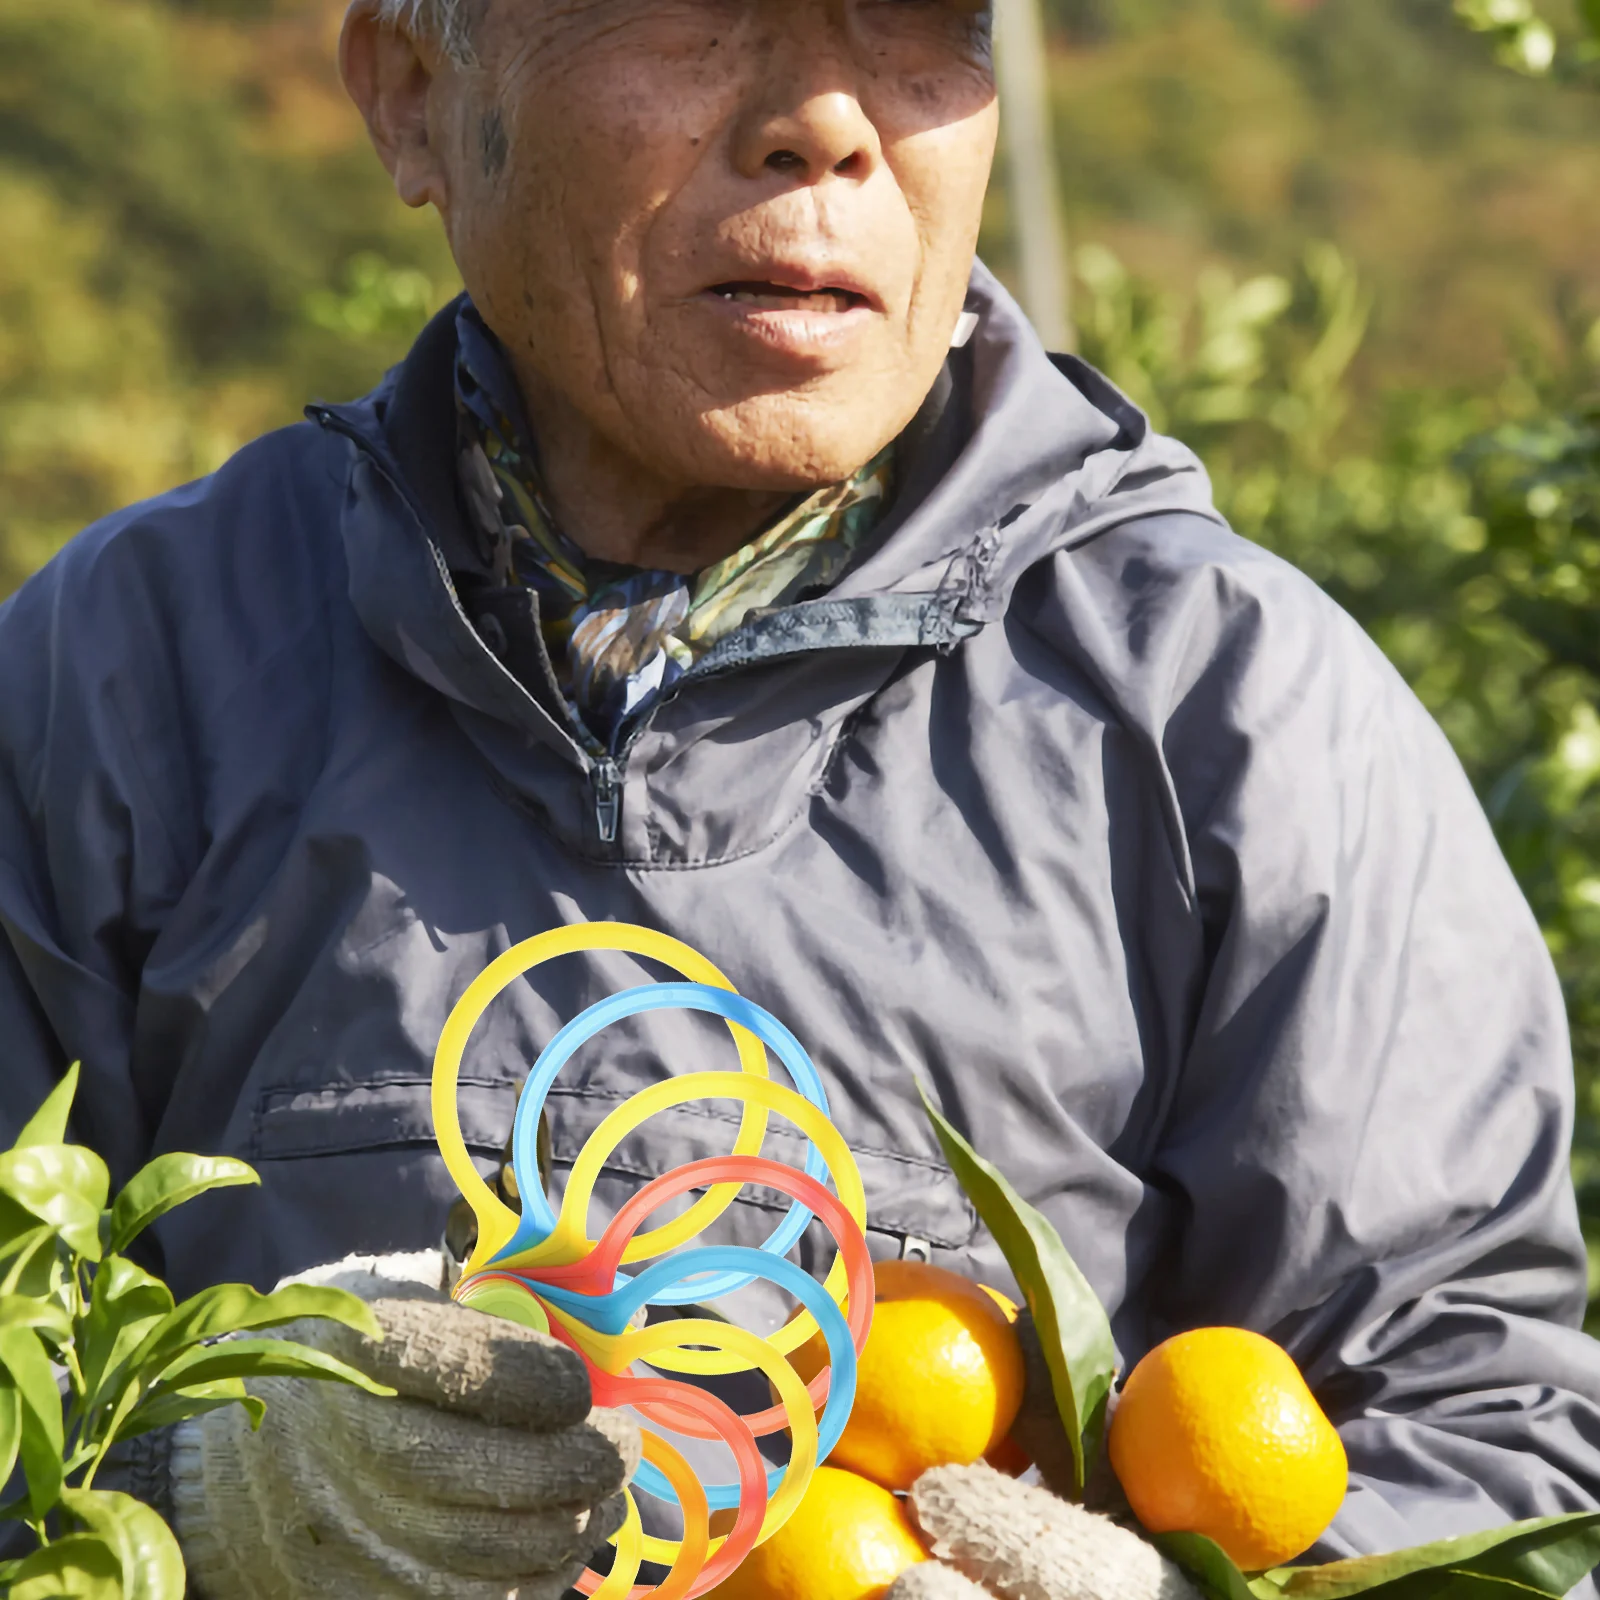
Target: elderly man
pixel 732 559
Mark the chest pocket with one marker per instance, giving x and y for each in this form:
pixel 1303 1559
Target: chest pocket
pixel 912 1202
pixel 392 1111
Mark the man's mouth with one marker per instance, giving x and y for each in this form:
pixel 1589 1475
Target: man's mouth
pixel 760 295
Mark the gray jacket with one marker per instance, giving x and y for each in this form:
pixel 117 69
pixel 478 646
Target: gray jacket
pixel 1105 822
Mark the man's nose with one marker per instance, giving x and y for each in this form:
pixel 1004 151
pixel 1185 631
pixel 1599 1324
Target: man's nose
pixel 808 122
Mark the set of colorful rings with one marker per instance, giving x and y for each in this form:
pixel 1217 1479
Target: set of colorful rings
pixel 540 1268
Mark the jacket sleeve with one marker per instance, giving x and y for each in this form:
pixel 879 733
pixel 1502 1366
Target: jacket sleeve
pixel 87 861
pixel 1369 1135
pixel 94 795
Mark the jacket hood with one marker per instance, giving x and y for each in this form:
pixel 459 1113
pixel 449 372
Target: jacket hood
pixel 1035 453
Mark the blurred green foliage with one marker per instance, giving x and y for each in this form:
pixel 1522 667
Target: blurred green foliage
pixel 194 239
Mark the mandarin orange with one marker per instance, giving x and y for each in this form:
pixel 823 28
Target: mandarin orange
pixel 940 1379
pixel 847 1540
pixel 1216 1433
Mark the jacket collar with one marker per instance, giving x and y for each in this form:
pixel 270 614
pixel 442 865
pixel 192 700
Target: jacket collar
pixel 1016 455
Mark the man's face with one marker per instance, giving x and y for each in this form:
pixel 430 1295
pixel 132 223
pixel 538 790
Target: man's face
pixel 733 235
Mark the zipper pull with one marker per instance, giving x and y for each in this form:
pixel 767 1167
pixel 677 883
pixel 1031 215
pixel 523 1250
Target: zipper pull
pixel 606 777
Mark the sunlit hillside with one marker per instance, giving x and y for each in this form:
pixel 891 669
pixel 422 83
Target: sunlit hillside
pixel 1237 129
pixel 196 238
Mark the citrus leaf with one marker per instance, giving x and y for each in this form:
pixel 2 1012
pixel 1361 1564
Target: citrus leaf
pixel 124 1305
pixel 1549 1555
pixel 23 1311
pixel 128 1395
pixel 10 1425
pixel 191 1401
pixel 1448 1583
pixel 1211 1567
pixel 17 1227
pixel 38 1268
pixel 167 1182
pixel 146 1552
pixel 1071 1322
pixel 48 1125
pixel 81 1566
pixel 263 1358
pixel 23 1356
pixel 62 1184
pixel 237 1308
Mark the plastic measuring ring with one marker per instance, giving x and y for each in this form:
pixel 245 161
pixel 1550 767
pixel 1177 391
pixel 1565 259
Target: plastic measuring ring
pixel 746 1170
pixel 784 1485
pixel 841 1349
pixel 688 1560
pixel 497 1222
pixel 726 1552
pixel 759 1495
pixel 542 1269
pixel 541 1234
pixel 722 1086
pixel 756 1489
pixel 628 1542
pixel 599 1337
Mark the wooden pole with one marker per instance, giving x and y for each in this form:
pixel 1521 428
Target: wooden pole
pixel 1022 71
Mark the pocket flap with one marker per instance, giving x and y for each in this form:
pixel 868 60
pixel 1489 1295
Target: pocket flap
pixel 379 1112
pixel 908 1195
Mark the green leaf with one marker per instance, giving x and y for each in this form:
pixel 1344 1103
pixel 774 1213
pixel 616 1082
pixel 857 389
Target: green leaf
pixel 263 1358
pixel 1071 1322
pixel 23 1356
pixel 191 1401
pixel 237 1308
pixel 124 1305
pixel 37 1270
pixel 167 1182
pixel 10 1425
pixel 48 1125
pixel 1548 1555
pixel 62 1184
pixel 23 1311
pixel 16 1226
pixel 1211 1567
pixel 81 1566
pixel 146 1552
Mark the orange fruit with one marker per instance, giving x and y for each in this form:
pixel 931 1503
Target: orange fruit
pixel 1006 1455
pixel 940 1380
pixel 847 1540
pixel 1217 1434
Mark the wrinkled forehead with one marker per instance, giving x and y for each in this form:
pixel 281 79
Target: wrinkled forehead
pixel 457 24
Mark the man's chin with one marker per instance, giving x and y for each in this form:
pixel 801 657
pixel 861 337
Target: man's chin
pixel 796 441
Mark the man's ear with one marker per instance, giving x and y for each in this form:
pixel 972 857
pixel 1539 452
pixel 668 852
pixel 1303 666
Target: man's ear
pixel 390 76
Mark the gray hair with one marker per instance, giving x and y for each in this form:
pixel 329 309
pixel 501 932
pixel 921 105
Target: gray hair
pixel 446 21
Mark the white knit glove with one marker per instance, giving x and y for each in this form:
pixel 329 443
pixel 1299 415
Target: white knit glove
pixel 992 1536
pixel 489 1477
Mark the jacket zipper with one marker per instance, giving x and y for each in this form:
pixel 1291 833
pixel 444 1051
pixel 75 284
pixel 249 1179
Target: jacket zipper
pixel 606 772
pixel 605 776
